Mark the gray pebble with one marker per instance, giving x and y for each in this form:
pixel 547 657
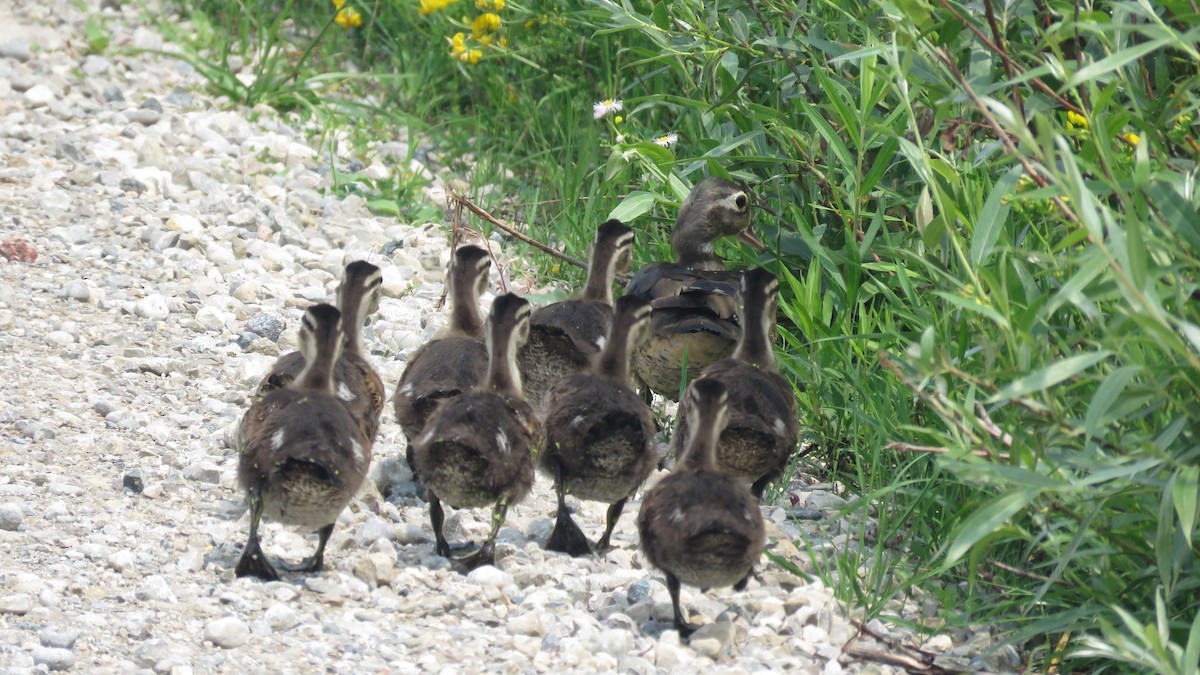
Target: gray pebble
pixel 265 324
pixel 17 51
pixel 133 481
pixel 112 94
pixel 137 186
pixel 143 116
pixel 639 591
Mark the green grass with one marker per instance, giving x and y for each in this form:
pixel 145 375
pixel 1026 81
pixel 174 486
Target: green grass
pixel 991 299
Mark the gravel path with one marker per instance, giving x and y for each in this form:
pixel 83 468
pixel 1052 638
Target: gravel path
pixel 177 244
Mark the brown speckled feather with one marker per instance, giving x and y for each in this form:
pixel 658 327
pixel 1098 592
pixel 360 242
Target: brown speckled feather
pixel 477 449
pixel 439 371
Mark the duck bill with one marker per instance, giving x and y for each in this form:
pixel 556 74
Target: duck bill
pixel 747 235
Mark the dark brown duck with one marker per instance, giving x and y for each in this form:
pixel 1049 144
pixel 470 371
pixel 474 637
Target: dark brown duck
pixel 455 361
pixel 695 321
pixel 700 525
pixel 598 435
pixel 355 379
pixel 476 449
pixel 565 337
pixel 304 455
pixel 763 428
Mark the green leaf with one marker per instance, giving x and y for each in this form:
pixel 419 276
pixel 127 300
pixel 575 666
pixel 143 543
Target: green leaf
pixel 1113 62
pixel 1177 212
pixel 986 520
pixel 971 305
pixel 993 216
pixel 635 205
pixel 1105 397
pixel 387 207
pixel 1049 376
pixel 1191 658
pixel 1184 493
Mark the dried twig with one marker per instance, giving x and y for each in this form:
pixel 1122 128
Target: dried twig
pixel 477 210
pixel 901 446
pixel 1028 575
pixel 1008 63
pixel 985 420
pixel 916 661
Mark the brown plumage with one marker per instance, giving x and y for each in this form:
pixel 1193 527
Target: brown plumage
pixel 355 381
pixel 455 361
pixel 763 427
pixel 598 435
pixel 699 525
pixel 695 310
pixel 564 337
pixel 304 455
pixel 476 449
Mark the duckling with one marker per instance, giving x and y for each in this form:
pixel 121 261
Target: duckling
pixel 565 336
pixel 761 436
pixel 456 359
pixel 304 454
pixel 694 322
pixel 476 449
pixel 699 525
pixel 598 435
pixel 356 382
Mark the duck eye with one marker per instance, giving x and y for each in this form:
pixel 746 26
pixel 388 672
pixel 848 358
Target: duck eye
pixel 740 202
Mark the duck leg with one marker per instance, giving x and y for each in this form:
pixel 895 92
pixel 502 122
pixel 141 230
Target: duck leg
pixel 614 512
pixel 253 562
pixel 437 518
pixel 486 555
pixel 685 629
pixel 566 537
pixel 316 561
pixel 408 457
pixel 760 486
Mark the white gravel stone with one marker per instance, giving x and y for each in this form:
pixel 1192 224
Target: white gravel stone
pixel 57 636
pixel 228 632
pixel 16 603
pixel 11 516
pixel 39 95
pixel 53 658
pixel 152 307
pixel 155 587
pixel 489 576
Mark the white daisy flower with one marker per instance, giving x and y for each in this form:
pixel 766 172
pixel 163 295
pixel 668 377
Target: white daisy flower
pixel 667 140
pixel 607 107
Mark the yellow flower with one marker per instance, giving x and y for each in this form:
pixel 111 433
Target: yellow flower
pixel 458 44
pixel 1075 119
pixel 486 4
pixel 428 6
pixel 485 23
pixel 348 17
pixel 474 55
pixel 338 4
pixel 618 119
pixel 1131 138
